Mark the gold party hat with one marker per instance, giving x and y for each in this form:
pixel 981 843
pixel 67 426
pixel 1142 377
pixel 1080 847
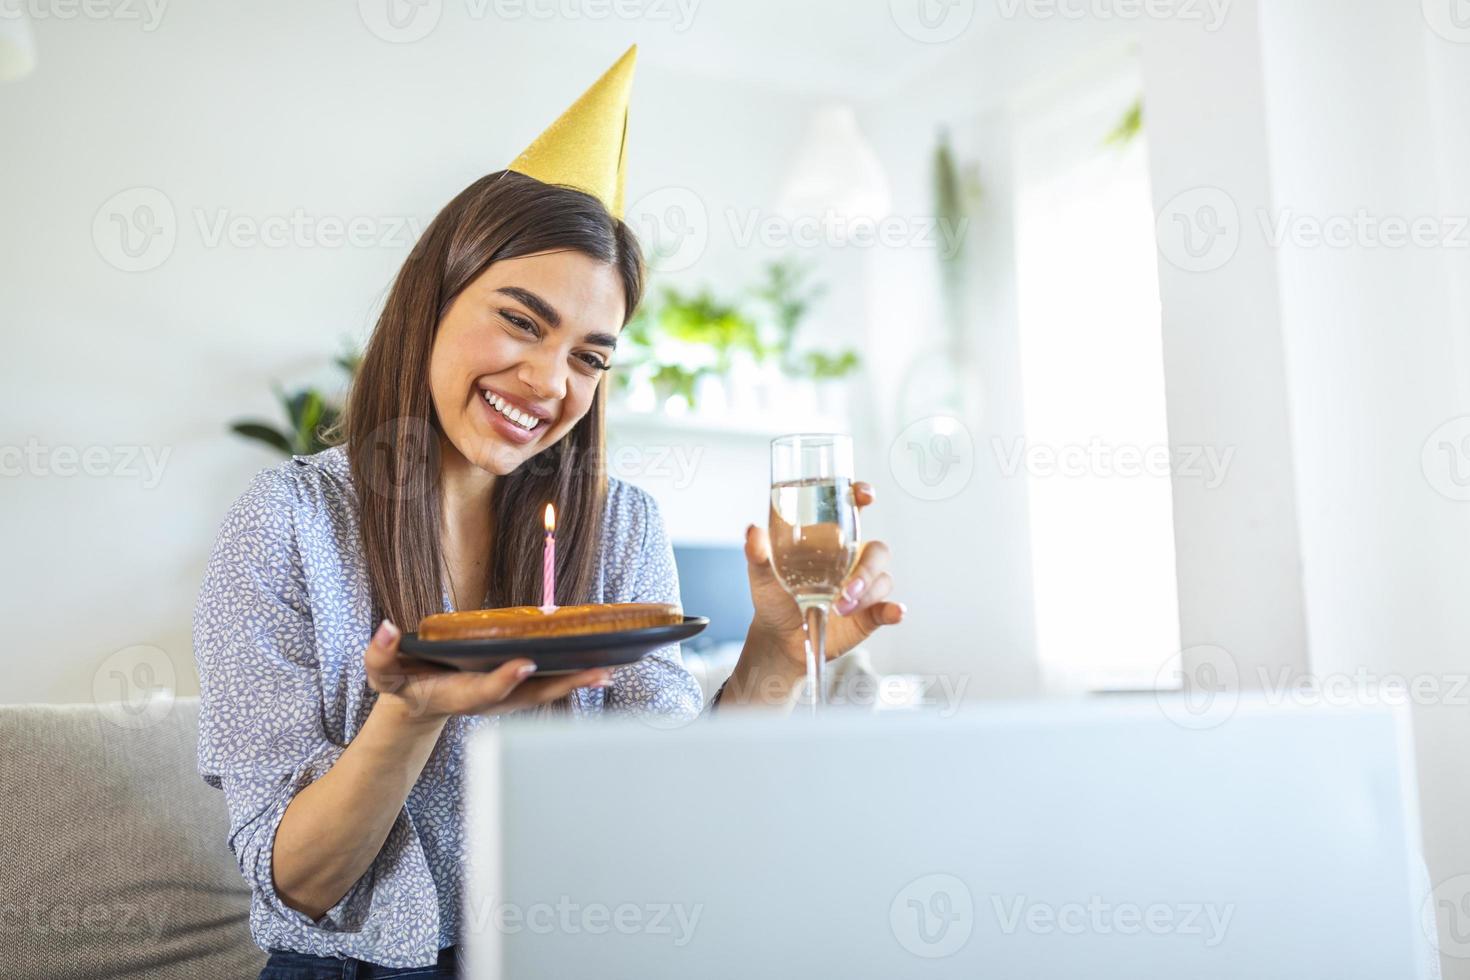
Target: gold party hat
pixel 585 147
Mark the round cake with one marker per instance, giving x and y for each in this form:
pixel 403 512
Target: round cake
pixel 529 621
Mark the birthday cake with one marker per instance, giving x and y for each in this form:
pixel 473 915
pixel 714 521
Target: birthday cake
pixel 531 621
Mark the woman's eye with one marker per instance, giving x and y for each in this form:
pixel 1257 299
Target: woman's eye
pixel 520 322
pixel 593 361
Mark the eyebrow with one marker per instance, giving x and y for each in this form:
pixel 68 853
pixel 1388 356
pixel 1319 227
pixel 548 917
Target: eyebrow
pixel 548 313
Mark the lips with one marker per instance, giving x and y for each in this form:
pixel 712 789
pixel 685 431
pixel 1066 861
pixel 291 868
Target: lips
pixel 516 421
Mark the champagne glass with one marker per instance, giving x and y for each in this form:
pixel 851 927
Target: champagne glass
pixel 814 532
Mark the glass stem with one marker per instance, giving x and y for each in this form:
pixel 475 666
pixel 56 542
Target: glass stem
pixel 816 652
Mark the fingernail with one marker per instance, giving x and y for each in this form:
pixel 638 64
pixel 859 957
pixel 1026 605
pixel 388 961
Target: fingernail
pixel 604 681
pixel 525 670
pixel 903 608
pixel 845 606
pixel 854 588
pixel 386 633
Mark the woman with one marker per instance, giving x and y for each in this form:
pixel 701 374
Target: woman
pixel 480 397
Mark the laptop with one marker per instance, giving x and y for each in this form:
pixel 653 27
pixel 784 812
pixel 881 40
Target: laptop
pixel 1099 840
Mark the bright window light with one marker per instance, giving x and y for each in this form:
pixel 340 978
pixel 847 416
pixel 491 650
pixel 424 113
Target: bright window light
pixel 1095 452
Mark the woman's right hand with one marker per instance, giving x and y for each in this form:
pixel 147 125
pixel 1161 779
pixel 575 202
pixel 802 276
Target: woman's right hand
pixel 428 694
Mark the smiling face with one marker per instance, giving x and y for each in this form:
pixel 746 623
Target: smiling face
pixel 518 356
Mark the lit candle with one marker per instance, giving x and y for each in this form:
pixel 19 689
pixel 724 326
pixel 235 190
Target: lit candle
pixel 548 563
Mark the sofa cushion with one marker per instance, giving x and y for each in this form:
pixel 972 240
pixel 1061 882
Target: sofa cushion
pixel 114 854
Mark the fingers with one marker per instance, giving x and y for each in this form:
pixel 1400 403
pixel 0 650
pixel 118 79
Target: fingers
pixel 863 494
pixel 869 619
pixel 869 567
pixel 758 556
pixel 380 660
pixel 540 690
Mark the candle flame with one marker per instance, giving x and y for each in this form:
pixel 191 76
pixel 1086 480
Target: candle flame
pixel 550 518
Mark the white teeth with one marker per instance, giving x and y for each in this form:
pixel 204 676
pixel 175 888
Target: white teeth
pixel 518 417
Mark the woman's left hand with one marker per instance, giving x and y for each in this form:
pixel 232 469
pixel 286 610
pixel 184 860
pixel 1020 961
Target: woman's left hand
pixel 862 608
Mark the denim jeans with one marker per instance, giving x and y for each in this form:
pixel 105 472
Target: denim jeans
pixel 284 965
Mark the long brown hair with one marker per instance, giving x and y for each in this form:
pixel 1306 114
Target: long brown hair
pixel 392 433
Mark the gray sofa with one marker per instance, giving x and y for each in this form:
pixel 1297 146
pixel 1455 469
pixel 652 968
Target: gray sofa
pixel 113 861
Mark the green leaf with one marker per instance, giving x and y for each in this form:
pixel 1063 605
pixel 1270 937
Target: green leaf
pixel 309 421
pixel 1128 127
pixel 261 432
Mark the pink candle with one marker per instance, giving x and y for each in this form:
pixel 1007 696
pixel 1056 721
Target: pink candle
pixel 548 563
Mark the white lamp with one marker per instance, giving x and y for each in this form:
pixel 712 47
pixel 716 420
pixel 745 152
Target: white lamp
pixel 836 171
pixel 17 47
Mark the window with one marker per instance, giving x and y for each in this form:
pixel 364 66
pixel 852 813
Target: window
pixel 1095 451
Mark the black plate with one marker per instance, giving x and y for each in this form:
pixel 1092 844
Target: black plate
pixel 553 654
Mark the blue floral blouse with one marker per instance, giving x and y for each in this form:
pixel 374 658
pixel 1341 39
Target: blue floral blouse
pixel 281 623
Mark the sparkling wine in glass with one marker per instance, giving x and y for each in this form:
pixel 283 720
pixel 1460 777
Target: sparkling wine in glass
pixel 814 532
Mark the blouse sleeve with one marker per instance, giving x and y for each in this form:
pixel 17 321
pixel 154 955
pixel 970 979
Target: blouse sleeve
pixel 261 734
pixel 659 684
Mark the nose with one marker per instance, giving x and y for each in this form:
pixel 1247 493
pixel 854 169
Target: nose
pixel 545 373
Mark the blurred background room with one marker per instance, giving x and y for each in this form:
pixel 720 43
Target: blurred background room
pixel 1149 320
